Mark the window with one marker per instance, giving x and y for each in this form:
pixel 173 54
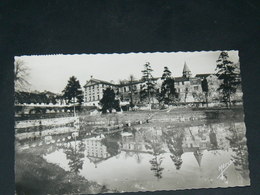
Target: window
pixel 196 87
pixel 93 98
pixel 182 82
pixel 98 97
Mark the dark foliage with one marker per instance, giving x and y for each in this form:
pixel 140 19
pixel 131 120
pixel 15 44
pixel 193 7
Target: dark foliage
pixel 205 88
pixel 72 91
pixel 108 101
pixel 44 97
pixel 228 73
pixel 148 89
pixel 168 91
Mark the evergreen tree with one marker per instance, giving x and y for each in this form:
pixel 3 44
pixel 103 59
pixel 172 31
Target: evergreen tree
pixel 148 89
pixel 131 80
pixel 227 73
pixel 167 89
pixel 108 101
pixel 72 91
pixel 205 89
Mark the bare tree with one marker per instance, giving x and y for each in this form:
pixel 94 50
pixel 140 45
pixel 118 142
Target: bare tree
pixel 21 74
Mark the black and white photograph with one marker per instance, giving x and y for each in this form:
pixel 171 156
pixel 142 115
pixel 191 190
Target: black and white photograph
pixel 130 122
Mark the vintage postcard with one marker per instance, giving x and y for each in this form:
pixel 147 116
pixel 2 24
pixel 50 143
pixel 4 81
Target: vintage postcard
pixel 106 123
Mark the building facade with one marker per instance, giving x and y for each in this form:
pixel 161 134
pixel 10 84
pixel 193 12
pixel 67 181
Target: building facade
pixel 93 91
pixel 188 88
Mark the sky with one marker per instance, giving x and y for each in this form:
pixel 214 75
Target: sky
pixel 52 72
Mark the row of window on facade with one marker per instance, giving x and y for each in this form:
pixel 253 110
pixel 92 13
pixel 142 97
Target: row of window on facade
pixel 180 90
pixel 121 89
pixel 97 86
pixel 93 98
pixel 125 89
pixel 97 98
pixel 96 154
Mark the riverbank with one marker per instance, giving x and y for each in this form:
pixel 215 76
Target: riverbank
pixel 175 115
pixel 34 175
pixel 87 123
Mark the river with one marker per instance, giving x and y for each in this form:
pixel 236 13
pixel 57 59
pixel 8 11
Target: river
pixel 152 157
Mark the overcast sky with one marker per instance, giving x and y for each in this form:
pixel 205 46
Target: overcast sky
pixel 53 71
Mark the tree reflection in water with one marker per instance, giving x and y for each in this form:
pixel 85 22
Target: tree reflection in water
pixel 213 138
pixel 111 142
pixel 174 142
pixel 155 144
pixel 75 153
pixel 237 141
pixel 156 166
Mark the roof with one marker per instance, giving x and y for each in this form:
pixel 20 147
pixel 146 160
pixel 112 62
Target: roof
pixel 204 75
pixel 186 68
pixel 92 82
pixel 97 81
pixel 180 79
pixel 129 83
pixel 198 156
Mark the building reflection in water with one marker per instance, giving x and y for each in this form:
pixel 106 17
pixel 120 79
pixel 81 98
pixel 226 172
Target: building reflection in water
pixel 133 144
pixel 155 145
pixel 101 148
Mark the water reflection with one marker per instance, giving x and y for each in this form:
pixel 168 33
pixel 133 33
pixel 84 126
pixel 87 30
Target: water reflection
pixel 237 142
pixel 155 144
pixel 174 140
pixel 75 154
pixel 153 157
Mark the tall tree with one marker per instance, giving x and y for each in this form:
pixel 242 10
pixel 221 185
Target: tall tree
pixel 108 101
pixel 227 72
pixel 21 74
pixel 205 89
pixel 131 80
pixel 148 89
pixel 72 91
pixel 168 91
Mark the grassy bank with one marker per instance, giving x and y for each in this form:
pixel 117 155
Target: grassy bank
pixel 34 175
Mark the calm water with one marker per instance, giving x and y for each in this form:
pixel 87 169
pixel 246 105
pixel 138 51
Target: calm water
pixel 150 158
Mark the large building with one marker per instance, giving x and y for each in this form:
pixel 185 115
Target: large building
pixel 93 91
pixel 189 89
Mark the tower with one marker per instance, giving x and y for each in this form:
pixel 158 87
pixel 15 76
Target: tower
pixel 186 73
pixel 198 155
